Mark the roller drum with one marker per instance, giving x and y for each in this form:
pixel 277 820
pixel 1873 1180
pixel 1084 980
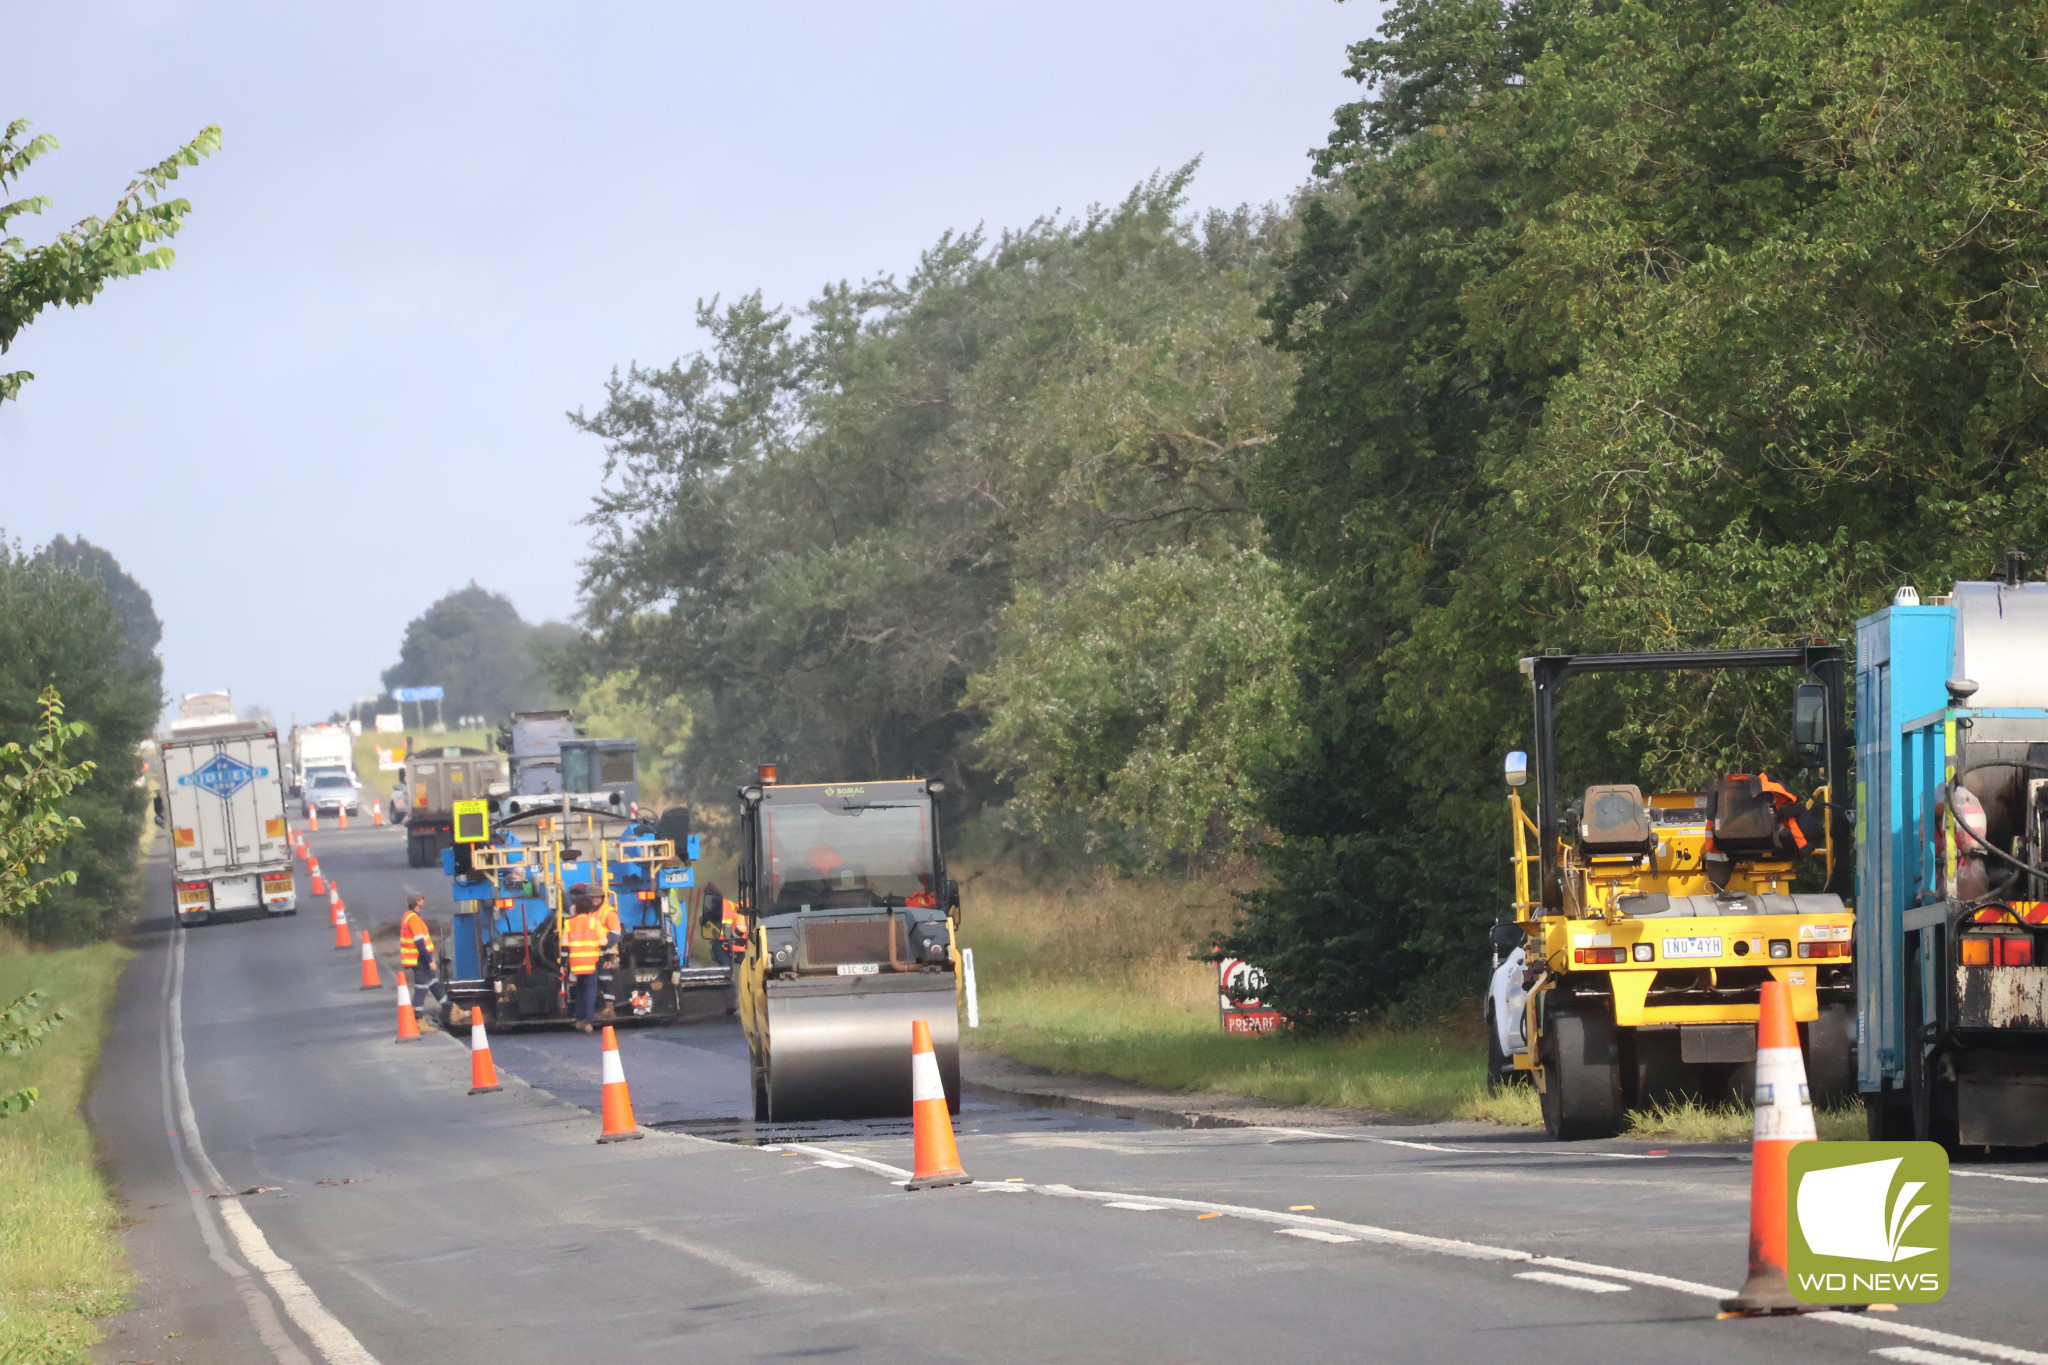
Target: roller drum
pixel 839 1047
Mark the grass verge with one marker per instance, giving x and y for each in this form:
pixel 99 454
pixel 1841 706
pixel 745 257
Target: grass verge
pixel 1093 977
pixel 61 1263
pixel 1691 1121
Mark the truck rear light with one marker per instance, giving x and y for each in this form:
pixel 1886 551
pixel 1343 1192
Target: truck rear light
pixel 2016 950
pixel 1823 950
pixel 1599 957
pixel 1976 952
pixel 504 902
pixel 194 893
pixel 1645 952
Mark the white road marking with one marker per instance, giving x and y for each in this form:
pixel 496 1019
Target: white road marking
pixel 1316 1235
pixel 1579 1282
pixel 335 1342
pixel 1479 1251
pixel 1531 1150
pixel 837 1165
pixel 770 1278
pixel 2001 1175
pixel 1913 1355
pixel 1134 1206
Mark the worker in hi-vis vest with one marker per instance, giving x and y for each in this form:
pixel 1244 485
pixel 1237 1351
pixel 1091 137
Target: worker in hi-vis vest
pixel 608 963
pixel 583 944
pixel 416 952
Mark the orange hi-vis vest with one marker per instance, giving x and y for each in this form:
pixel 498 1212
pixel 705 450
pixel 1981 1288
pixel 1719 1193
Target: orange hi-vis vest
pixel 410 928
pixel 583 936
pixel 609 917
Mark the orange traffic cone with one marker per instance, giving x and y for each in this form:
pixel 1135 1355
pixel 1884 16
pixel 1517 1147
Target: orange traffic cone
pixel 938 1157
pixel 341 935
pixel 371 981
pixel 342 816
pixel 1784 1118
pixel 408 1022
pixel 618 1102
pixel 319 882
pixel 376 812
pixel 483 1077
pixel 313 821
pixel 299 844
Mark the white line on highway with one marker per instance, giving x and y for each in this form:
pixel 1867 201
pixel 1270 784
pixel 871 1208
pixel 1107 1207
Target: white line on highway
pixel 1311 1234
pixel 1579 1282
pixel 1132 1205
pixel 768 1277
pixel 1479 1251
pixel 1913 1355
pixel 335 1342
pixel 1530 1150
pixel 2001 1175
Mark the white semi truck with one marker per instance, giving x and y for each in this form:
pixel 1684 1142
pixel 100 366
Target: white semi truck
pixel 322 749
pixel 224 804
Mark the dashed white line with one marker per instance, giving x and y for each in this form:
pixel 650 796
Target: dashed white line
pixel 2000 1175
pixel 1913 1355
pixel 1579 1282
pixel 1931 1337
pixel 768 1277
pixel 1133 1206
pixel 1316 1235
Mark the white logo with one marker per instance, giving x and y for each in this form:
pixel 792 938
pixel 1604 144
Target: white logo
pixel 1842 1212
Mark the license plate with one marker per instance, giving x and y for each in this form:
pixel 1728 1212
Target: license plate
pixel 1708 946
pixel 859 968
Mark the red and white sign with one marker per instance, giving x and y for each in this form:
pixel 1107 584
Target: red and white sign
pixel 1239 984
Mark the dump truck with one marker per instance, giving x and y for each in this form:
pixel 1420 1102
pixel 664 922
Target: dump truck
pixel 224 805
pixel 434 780
pixel 1644 927
pixel 1952 864
pixel 532 743
pixel 511 876
pixel 849 938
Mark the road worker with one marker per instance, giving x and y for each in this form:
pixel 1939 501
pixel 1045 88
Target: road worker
pixel 416 952
pixel 583 939
pixel 608 965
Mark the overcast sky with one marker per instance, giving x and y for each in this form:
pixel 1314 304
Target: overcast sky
pixel 433 227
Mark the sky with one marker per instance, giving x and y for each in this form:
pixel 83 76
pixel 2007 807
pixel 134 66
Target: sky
pixel 433 228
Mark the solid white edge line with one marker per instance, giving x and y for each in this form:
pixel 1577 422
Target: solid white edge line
pixel 1582 1283
pixel 1314 1235
pixel 1913 1355
pixel 1479 1251
pixel 2001 1175
pixel 334 1341
pixel 1336 1135
pixel 262 1313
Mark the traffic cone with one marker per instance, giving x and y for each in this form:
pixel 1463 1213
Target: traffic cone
pixel 618 1102
pixel 938 1157
pixel 371 981
pixel 319 882
pixel 341 936
pixel 299 844
pixel 1784 1118
pixel 376 812
pixel 408 1022
pixel 313 821
pixel 342 816
pixel 483 1077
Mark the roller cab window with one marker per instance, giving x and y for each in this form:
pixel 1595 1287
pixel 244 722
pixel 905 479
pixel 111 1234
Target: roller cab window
pixel 849 853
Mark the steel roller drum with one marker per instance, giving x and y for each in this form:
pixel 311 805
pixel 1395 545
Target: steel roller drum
pixel 838 1047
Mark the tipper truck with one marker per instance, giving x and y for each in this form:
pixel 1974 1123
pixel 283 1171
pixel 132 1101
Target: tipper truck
pixel 1952 864
pixel 1645 925
pixel 224 804
pixel 435 779
pixel 849 928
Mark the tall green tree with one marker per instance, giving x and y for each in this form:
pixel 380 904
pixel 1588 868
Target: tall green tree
pixel 1622 327
pixel 132 602
pixel 473 644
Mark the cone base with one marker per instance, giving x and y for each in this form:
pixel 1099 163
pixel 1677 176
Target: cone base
pixel 489 1089
pixel 1765 1295
pixel 408 1038
pixel 620 1137
pixel 939 1181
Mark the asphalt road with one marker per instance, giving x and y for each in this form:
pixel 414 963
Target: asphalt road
pixel 307 1190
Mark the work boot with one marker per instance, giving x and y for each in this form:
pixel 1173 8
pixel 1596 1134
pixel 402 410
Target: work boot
pixel 582 1027
pixel 606 1014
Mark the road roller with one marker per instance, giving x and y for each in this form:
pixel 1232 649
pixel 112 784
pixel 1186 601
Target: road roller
pixel 849 923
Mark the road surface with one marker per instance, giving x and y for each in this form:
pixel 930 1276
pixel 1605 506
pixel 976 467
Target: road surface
pixel 307 1190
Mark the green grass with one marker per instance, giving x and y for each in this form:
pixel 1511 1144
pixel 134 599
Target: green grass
pixel 1691 1121
pixel 1094 978
pixel 61 1263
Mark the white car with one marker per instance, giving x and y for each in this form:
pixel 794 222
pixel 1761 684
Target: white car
pixel 1506 1022
pixel 332 794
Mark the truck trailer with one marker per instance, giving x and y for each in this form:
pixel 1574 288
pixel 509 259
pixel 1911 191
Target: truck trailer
pixel 1951 838
pixel 224 804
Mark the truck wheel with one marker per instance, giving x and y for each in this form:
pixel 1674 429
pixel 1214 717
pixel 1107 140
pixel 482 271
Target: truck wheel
pixel 1582 1077
pixel 1888 1116
pixel 1831 1056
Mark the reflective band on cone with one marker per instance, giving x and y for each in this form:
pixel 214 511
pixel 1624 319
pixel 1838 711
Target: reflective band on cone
pixel 1784 1118
pixel 483 1077
pixel 408 1023
pixel 341 934
pixel 618 1102
pixel 313 822
pixel 299 846
pixel 377 818
pixel 319 882
pixel 938 1156
pixel 371 981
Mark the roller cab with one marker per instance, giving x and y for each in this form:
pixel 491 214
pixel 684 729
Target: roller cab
pixel 849 930
pixel 1645 925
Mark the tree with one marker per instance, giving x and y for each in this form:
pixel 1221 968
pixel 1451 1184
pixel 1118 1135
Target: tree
pixel 60 629
pixel 473 644
pixel 811 531
pixel 74 267
pixel 131 600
